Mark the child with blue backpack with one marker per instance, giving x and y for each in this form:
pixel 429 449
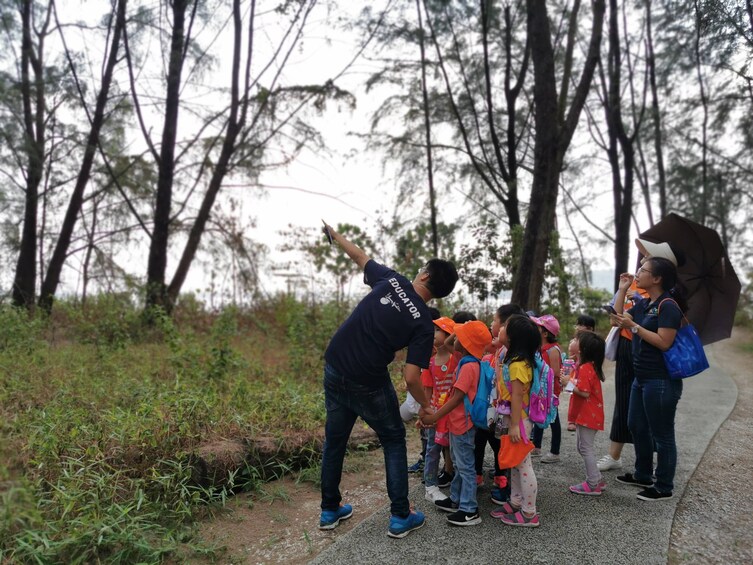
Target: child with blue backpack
pixel 472 339
pixel 522 339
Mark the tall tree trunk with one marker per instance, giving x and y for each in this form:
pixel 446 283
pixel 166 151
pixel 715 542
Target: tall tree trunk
pixel 89 252
pixel 655 114
pixel 236 122
pixel 512 91
pixel 427 127
pixel 554 130
pixel 52 277
pixel 489 170
pixel 156 291
pixel 25 280
pixel 529 278
pixel 622 176
pixel 704 209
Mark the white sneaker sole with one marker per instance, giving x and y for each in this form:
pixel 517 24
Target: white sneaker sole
pixel 473 522
pixel 648 499
pixel 336 523
pixel 406 532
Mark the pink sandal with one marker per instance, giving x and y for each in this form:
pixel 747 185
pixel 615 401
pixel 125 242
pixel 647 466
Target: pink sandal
pixel 504 510
pixel 587 490
pixel 521 520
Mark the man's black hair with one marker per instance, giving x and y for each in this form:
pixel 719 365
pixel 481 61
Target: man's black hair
pixel 507 310
pixel 435 313
pixel 462 317
pixel 587 321
pixel 442 277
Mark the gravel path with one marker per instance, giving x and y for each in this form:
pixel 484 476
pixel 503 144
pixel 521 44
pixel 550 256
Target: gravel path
pixel 714 520
pixel 615 528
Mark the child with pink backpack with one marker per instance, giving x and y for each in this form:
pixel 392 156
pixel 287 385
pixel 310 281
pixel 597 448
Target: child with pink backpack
pixel 552 355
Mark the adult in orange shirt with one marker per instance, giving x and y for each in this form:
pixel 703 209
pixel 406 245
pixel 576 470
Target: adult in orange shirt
pixel 619 433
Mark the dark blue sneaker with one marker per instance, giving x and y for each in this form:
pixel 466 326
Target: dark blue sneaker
pixel 331 518
pixel 401 527
pixel 417 467
pixel 499 496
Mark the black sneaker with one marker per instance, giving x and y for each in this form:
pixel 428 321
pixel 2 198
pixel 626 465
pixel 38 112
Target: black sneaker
pixel 462 518
pixel 446 505
pixel 652 494
pixel 444 479
pixel 629 479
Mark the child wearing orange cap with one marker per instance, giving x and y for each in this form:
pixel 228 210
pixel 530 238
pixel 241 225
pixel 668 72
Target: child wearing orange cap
pixel 472 339
pixel 437 381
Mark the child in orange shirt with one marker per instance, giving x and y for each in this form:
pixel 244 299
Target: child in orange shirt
pixel 472 339
pixel 587 410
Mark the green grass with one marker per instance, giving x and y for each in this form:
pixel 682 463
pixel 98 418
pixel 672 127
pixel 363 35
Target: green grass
pixel 98 415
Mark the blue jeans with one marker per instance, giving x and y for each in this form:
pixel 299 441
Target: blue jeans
pixel 463 486
pixel 431 459
pixel 379 408
pixel 651 419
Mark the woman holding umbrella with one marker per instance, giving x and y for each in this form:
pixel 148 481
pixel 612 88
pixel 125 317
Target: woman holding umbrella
pixel 654 322
pixel 619 433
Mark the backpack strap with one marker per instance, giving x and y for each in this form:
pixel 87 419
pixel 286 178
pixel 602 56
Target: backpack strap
pixel 466 400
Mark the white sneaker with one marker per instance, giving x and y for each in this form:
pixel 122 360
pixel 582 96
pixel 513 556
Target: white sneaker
pixel 606 463
pixel 433 494
pixel 550 458
pixel 536 452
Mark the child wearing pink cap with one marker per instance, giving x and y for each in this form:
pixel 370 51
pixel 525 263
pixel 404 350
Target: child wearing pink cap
pixel 549 328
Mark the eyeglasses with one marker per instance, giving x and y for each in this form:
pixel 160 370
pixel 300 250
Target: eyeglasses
pixel 644 270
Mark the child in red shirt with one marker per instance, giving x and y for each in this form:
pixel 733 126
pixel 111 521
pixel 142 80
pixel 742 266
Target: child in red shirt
pixel 437 381
pixel 587 410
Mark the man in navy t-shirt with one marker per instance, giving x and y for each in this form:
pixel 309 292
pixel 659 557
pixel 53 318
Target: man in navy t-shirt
pixel 357 383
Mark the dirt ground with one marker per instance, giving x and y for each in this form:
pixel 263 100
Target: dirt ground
pixel 279 524
pixel 713 522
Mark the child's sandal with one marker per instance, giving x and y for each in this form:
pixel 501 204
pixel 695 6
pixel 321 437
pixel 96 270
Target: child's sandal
pixel 521 520
pixel 587 490
pixel 505 510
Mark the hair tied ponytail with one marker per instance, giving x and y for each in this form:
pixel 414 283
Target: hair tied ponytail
pixel 677 292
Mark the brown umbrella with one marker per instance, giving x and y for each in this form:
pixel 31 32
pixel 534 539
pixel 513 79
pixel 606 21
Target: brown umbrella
pixel 713 288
